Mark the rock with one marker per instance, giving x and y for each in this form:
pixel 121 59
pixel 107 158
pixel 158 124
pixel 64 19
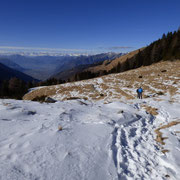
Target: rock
pixel 167 176
pixel 49 100
pixel 160 93
pixel 164 70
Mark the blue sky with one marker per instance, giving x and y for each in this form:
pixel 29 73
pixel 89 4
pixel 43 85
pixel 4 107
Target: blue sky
pixel 97 25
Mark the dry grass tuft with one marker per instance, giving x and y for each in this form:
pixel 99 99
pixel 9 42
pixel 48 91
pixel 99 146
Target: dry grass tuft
pixel 177 132
pixel 6 104
pixel 60 128
pixel 150 110
pixel 164 151
pixel 39 98
pixel 159 138
pixel 173 123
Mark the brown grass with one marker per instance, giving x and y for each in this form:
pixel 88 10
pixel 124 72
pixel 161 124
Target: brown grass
pixel 164 151
pixel 6 104
pixel 159 138
pixel 60 128
pixel 173 123
pixel 116 86
pixel 150 110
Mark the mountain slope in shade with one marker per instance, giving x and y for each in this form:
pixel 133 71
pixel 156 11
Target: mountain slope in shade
pixel 7 73
pixel 11 64
pixel 65 75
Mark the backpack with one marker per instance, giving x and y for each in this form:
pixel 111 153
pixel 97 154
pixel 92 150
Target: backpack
pixel 140 90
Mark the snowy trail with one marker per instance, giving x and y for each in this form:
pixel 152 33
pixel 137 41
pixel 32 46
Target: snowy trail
pixel 134 148
pixel 129 140
pixel 112 141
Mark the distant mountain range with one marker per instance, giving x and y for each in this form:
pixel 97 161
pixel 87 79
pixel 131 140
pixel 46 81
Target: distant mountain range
pixel 44 67
pixel 39 67
pixel 69 68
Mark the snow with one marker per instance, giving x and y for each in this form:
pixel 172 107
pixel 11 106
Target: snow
pixel 97 140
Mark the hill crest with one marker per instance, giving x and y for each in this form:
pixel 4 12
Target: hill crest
pixel 157 79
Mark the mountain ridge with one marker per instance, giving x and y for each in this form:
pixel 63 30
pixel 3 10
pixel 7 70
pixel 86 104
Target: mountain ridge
pixel 44 67
pixel 6 73
pixel 83 62
pixel 11 64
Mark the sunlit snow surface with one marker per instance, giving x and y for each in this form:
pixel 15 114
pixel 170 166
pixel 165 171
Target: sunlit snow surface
pixel 97 142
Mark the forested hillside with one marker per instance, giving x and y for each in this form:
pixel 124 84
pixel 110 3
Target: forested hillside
pixel 13 83
pixel 7 73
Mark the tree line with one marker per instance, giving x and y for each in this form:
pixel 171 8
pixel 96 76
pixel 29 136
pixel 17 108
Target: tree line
pixel 16 88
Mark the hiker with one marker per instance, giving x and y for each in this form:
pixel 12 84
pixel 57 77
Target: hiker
pixel 139 93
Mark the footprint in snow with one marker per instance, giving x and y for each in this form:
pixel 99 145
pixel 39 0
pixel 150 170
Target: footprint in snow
pixel 12 146
pixel 25 145
pixel 25 135
pixel 132 132
pixel 6 120
pixel 12 157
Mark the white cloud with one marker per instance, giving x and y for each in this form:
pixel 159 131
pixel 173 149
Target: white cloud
pixel 39 49
pixel 42 51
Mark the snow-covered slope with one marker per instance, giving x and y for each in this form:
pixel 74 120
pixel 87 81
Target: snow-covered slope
pixel 106 134
pixel 97 140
